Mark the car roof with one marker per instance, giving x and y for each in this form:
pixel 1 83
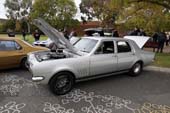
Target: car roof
pixel 8 38
pixel 105 38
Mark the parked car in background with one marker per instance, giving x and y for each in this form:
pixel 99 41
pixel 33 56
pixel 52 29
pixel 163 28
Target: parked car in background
pixel 44 43
pixel 13 52
pixel 89 58
pixel 107 32
pixel 11 33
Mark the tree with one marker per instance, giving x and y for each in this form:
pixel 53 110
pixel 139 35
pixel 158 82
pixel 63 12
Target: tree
pixel 151 15
pixel 9 24
pixel 106 11
pixel 144 15
pixel 18 10
pixel 59 13
pixel 163 3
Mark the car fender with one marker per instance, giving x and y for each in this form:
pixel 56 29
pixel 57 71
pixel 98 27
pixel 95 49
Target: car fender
pixel 62 69
pixel 138 58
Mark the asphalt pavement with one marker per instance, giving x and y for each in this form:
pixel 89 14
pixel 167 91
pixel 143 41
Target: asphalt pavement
pixel 147 93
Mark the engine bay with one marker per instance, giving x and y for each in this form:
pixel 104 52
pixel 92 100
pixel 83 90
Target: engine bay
pixel 51 55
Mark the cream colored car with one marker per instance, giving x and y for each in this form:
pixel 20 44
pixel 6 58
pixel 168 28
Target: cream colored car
pixel 13 52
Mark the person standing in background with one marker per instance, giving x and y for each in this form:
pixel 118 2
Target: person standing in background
pixel 167 38
pixel 66 34
pixel 155 40
pixel 24 34
pixel 115 33
pixel 36 35
pixel 135 32
pixel 142 32
pixel 161 41
pixel 72 33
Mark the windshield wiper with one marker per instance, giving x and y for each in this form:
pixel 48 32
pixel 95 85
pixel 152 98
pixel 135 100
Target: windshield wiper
pixel 84 51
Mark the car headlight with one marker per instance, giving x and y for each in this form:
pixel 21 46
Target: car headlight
pixel 30 59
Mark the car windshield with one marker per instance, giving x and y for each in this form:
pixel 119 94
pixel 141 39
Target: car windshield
pixel 85 45
pixel 73 40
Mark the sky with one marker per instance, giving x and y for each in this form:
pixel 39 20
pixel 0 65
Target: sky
pixel 3 11
pixel 78 15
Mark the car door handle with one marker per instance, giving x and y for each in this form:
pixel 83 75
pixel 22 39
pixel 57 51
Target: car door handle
pixel 133 53
pixel 114 56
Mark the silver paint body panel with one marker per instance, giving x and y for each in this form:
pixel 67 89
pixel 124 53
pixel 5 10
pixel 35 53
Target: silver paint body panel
pixel 89 64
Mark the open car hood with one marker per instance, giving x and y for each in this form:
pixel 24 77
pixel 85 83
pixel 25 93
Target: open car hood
pixel 54 35
pixel 140 40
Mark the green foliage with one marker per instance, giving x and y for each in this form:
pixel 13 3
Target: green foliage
pixel 149 17
pixel 163 3
pixel 135 22
pixel 17 9
pixel 103 10
pixel 59 13
pixel 106 11
pixel 10 24
pixel 1 27
pixel 162 60
pixel 24 25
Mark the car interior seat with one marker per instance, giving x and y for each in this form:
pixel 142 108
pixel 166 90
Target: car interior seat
pixel 2 47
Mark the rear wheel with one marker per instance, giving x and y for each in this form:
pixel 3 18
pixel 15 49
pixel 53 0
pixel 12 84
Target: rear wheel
pixel 136 69
pixel 62 83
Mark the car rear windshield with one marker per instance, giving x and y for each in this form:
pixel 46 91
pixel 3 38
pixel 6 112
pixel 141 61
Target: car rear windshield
pixel 85 45
pixel 27 43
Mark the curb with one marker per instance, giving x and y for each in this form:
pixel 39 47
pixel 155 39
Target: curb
pixel 160 69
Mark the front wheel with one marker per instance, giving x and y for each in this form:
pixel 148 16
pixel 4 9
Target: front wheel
pixel 136 69
pixel 62 83
pixel 24 63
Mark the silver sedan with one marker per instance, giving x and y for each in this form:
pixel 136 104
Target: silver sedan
pixel 89 58
pixel 95 57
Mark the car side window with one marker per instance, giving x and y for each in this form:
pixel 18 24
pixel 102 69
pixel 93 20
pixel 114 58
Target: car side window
pixel 106 47
pixel 9 46
pixel 123 47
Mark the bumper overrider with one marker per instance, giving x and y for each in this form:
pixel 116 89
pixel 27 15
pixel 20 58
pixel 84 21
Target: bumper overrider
pixel 37 79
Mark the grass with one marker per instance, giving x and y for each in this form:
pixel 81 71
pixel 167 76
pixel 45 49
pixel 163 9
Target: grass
pixel 162 60
pixel 29 38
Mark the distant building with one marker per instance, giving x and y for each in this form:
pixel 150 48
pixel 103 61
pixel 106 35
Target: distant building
pixel 3 20
pixel 91 24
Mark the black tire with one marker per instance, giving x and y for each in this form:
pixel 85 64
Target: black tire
pixel 24 63
pixel 62 83
pixel 136 69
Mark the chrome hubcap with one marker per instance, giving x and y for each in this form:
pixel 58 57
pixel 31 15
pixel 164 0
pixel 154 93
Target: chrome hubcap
pixel 137 68
pixel 62 83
